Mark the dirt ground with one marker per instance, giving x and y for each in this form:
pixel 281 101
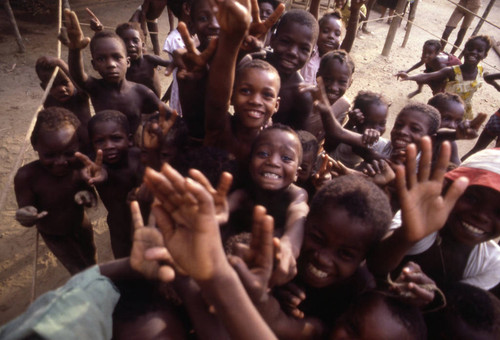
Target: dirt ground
pixel 20 95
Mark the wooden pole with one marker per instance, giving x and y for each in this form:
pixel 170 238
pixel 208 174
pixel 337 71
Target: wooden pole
pixel 411 18
pixel 483 17
pixel 12 19
pixel 394 27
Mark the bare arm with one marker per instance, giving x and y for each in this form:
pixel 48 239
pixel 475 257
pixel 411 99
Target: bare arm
pixel 185 214
pixel 76 43
pixel 234 20
pixel 417 65
pixel 423 209
pixel 441 75
pixel 158 61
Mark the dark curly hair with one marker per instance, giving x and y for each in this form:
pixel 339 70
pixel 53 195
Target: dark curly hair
pixel 53 119
pixel 362 199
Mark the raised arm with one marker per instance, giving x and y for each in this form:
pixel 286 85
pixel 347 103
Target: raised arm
pixel 424 210
pixel 234 20
pixel 77 42
pixel 185 214
pixel 291 241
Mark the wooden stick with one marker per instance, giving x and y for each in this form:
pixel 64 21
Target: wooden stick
pixel 12 19
pixel 35 260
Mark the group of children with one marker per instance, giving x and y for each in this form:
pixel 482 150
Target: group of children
pixel 329 229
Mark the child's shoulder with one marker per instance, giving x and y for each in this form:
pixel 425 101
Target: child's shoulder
pixel 27 171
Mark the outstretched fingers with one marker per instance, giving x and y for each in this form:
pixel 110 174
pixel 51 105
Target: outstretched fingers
pixel 424 165
pixel 274 17
pixel 137 220
pixel 186 37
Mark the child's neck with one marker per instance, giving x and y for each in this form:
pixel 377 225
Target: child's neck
pixel 469 68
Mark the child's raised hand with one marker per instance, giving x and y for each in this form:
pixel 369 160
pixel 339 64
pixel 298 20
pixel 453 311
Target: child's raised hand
pixel 85 198
pixel 318 92
pixel 93 172
pixel 149 255
pixel 370 136
pixel 95 23
pixel 379 171
pixel 76 40
pixel 233 16
pixel 255 271
pixel 191 63
pixel 219 196
pixel 29 215
pixel 356 116
pixel 469 129
pixel 423 209
pixel 185 214
pixel 414 286
pixel 260 28
pixel 285 266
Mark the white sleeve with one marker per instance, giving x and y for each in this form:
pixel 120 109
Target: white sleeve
pixel 421 245
pixel 483 266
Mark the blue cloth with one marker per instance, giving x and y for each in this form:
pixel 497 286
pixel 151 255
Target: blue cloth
pixel 81 309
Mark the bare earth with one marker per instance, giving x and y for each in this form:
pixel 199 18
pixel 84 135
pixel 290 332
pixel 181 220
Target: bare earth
pixel 20 95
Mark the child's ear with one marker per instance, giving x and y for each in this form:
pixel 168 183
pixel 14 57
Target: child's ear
pixel 299 168
pixel 277 105
pixel 93 65
pixel 350 82
pixel 128 62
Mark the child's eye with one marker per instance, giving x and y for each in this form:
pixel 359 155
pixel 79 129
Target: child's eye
pixel 244 90
pixel 346 255
pixel 287 159
pixel 203 18
pixel 262 154
pixel 269 95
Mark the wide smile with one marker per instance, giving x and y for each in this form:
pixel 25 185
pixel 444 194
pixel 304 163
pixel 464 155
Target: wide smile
pixel 473 230
pixel 318 273
pixel 270 175
pixel 399 143
pixel 287 64
pixel 256 114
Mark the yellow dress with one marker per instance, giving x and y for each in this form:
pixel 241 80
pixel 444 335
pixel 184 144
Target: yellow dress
pixel 465 88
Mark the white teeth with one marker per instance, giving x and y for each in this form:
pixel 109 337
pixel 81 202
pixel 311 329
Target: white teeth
pixel 316 272
pixel 270 175
pixel 255 114
pixel 400 143
pixel 473 229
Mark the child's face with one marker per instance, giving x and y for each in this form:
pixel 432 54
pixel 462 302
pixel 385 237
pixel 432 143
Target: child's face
pixel 475 218
pixel 292 46
pixel 475 51
pixel 451 114
pixel 265 10
pixel 428 53
pixel 110 137
pixel 410 126
pixel 274 161
pixel 56 150
pixel 62 89
pixel 306 167
pixel 334 246
pixel 375 117
pixel 372 320
pixel 330 33
pixel 109 58
pixel 337 79
pixel 255 97
pixel 133 43
pixel 205 23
